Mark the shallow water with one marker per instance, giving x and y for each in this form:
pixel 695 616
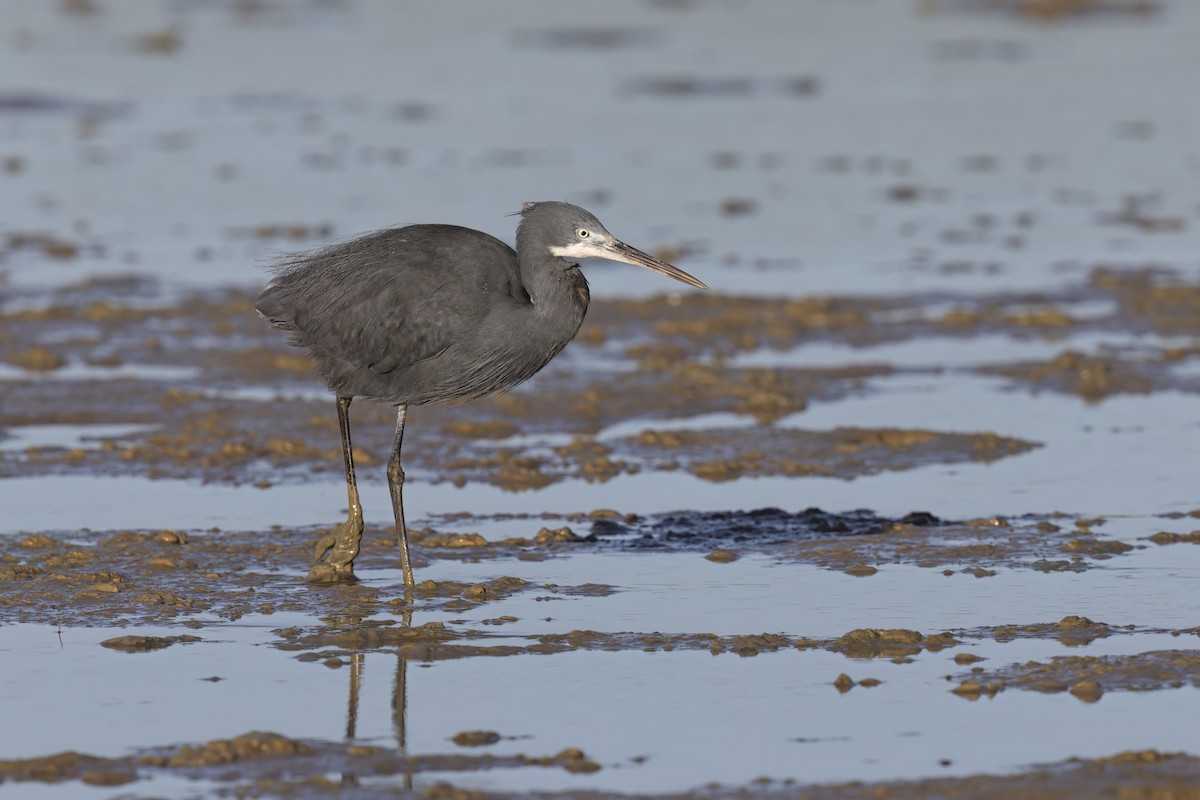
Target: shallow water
pixel 738 717
pixel 935 154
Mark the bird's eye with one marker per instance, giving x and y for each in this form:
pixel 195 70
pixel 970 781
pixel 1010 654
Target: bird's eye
pixel 583 233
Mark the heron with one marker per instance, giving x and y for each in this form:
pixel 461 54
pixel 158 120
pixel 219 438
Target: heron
pixel 435 313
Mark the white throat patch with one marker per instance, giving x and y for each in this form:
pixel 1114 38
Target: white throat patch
pixel 578 250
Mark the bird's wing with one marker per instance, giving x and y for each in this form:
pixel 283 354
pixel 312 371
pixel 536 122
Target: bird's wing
pixel 391 299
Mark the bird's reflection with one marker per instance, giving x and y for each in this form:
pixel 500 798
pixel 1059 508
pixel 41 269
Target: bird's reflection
pixel 399 704
pixel 356 668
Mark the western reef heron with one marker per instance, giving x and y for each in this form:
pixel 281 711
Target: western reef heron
pixel 430 313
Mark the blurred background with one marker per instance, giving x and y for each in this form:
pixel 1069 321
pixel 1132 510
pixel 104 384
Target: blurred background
pixel 771 147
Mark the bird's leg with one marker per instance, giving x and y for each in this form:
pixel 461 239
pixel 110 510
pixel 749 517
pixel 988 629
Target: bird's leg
pixel 335 553
pixel 395 476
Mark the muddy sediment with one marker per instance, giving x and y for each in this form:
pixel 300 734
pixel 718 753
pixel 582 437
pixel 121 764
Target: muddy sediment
pixel 166 577
pixel 436 641
pixel 1088 677
pixel 229 401
pixel 1072 630
pixel 210 394
pixel 270 765
pixel 89 578
pixel 862 540
pixel 260 759
pixel 1078 394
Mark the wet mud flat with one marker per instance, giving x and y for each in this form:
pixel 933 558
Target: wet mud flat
pixel 229 403
pixel 345 624
pixel 206 577
pixel 119 378
pixel 269 765
pixel 904 508
pixel 157 593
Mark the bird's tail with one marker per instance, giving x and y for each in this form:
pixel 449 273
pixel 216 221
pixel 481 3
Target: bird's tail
pixel 272 307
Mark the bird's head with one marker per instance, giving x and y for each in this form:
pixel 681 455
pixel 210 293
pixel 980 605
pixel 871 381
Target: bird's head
pixel 572 233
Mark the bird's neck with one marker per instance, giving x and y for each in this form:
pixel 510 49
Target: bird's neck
pixel 558 291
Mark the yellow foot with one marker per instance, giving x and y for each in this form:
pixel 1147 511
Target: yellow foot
pixel 333 558
pixel 324 572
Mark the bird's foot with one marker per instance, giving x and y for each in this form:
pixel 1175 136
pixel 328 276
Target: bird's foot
pixel 333 558
pixel 324 572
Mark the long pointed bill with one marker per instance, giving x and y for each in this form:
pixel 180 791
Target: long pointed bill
pixel 616 250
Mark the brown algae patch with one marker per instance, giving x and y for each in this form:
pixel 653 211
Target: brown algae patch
pixel 1072 630
pixel 95 578
pixel 271 765
pixel 1167 537
pixel 1157 298
pixel 90 578
pixel 1088 677
pixel 1092 377
pixel 144 644
pixel 254 762
pixel 249 410
pixel 475 738
pixel 436 642
pixel 857 542
pixel 432 642
pixel 37 359
pixel 205 427
pixel 888 643
pixel 201 433
pixel 842 452
pixel 1129 774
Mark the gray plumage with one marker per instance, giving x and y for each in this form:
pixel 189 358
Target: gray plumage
pixel 430 313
